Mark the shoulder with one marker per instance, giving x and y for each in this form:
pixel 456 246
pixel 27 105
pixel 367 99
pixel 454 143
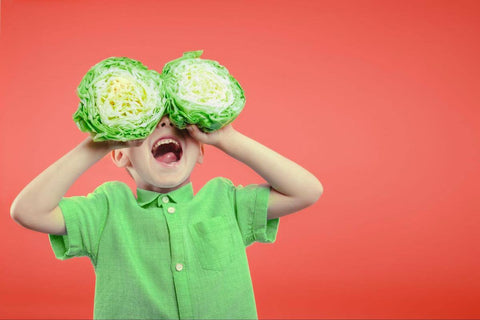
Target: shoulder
pixel 219 182
pixel 216 187
pixel 113 189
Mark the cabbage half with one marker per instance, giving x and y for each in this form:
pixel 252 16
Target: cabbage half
pixel 120 99
pixel 201 92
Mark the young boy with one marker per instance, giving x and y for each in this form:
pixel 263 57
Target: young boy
pixel 167 254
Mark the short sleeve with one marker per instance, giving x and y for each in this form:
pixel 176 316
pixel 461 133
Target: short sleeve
pixel 84 220
pixel 251 205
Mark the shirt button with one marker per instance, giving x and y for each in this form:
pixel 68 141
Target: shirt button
pixel 171 209
pixel 179 267
pixel 165 199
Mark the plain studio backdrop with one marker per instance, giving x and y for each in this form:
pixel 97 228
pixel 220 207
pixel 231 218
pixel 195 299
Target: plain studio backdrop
pixel 379 99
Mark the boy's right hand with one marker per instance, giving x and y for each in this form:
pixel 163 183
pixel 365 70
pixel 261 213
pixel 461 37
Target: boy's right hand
pixel 112 144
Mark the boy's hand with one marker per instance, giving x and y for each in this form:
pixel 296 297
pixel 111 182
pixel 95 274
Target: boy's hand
pixel 112 144
pixel 121 144
pixel 215 138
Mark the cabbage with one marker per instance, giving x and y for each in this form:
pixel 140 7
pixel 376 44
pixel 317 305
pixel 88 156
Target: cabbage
pixel 120 99
pixel 201 92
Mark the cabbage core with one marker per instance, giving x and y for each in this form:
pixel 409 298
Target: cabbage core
pixel 121 97
pixel 200 83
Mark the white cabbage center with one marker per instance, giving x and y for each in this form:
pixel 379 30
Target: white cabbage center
pixel 201 84
pixel 123 100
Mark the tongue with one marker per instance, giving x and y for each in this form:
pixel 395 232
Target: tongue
pixel 168 157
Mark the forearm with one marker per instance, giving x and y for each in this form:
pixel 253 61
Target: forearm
pixel 293 187
pixel 284 175
pixel 44 193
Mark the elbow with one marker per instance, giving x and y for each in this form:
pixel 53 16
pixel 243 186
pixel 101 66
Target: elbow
pixel 313 193
pixel 21 215
pixel 18 213
pixel 15 211
pixel 317 191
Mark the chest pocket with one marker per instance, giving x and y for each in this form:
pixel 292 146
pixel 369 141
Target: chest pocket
pixel 213 242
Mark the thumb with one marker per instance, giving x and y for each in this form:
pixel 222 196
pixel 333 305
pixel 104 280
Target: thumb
pixel 193 130
pixel 196 133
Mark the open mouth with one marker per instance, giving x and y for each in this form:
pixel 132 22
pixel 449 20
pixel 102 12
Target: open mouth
pixel 167 150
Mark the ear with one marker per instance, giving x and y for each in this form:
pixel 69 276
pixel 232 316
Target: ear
pixel 120 158
pixel 202 152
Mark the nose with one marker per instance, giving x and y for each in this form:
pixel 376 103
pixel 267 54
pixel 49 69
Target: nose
pixel 164 122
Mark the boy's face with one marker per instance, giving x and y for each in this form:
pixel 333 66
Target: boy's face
pixel 165 159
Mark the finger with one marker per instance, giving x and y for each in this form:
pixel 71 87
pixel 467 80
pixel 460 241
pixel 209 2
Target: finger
pixel 135 143
pixel 193 130
pixel 197 134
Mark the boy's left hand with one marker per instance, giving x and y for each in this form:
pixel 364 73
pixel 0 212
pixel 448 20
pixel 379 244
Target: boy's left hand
pixel 214 138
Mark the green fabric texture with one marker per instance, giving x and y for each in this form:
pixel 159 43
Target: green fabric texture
pixel 201 92
pixel 168 256
pixel 120 99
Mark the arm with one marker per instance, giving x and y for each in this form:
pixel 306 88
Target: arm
pixel 293 187
pixel 36 206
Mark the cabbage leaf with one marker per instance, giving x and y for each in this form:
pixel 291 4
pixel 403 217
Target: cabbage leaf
pixel 120 99
pixel 201 92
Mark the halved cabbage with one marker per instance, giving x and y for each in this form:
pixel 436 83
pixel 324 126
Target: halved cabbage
pixel 201 92
pixel 120 99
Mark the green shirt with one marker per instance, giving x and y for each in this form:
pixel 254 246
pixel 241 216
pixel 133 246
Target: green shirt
pixel 168 256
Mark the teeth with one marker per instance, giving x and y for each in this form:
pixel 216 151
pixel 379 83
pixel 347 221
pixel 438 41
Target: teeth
pixel 164 141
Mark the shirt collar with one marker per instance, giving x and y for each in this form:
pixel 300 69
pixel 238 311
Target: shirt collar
pixel 182 194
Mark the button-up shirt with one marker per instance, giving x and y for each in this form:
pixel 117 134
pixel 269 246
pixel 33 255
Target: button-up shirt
pixel 168 256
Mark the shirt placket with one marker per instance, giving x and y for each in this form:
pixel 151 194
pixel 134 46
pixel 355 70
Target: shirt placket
pixel 179 266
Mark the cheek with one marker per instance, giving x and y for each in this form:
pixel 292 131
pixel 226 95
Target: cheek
pixel 193 146
pixel 138 157
pixel 193 154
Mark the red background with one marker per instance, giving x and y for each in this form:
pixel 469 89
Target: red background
pixel 379 99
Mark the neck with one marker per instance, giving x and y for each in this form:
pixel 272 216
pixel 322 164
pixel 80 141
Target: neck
pixel 163 189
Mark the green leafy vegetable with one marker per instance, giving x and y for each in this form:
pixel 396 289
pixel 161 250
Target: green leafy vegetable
pixel 201 92
pixel 120 99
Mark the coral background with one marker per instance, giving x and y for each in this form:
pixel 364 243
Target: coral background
pixel 379 99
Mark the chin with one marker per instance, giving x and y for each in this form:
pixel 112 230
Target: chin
pixel 171 184
pixel 166 185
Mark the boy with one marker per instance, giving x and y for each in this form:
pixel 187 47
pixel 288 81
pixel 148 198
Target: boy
pixel 167 254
